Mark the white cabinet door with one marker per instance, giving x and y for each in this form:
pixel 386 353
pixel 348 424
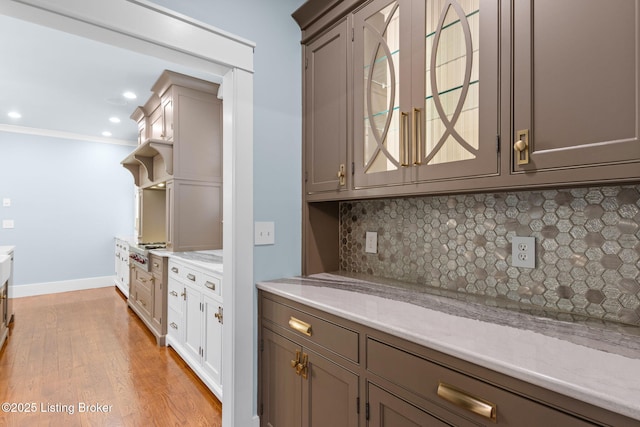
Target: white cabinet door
pixel 212 338
pixel 193 322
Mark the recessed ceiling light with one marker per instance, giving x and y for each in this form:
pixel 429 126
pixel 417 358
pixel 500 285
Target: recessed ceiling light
pixel 106 133
pixel 14 115
pixel 129 95
pixel 114 120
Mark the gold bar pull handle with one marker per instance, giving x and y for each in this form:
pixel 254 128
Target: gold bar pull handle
pixel 300 326
pixel 417 137
pixel 294 362
pixel 466 401
pixel 341 174
pixel 404 142
pixel 521 147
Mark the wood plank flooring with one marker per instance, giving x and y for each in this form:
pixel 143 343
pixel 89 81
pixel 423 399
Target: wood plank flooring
pixel 70 350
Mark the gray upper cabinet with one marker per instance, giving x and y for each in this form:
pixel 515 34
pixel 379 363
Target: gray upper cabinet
pixel 425 91
pixel 325 109
pixel 576 67
pixel 466 95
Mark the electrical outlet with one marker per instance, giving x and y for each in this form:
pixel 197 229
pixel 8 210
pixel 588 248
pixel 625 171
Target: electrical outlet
pixel 523 252
pixel 371 244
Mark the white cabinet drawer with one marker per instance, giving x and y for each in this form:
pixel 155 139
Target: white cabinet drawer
pixel 175 297
pixel 175 325
pixel 210 282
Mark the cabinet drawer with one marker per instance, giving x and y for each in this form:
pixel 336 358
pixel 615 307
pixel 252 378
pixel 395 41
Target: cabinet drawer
pixel 143 279
pixel 157 262
pixel 436 383
pixel 144 301
pixel 174 324
pixel 334 337
pixel 210 282
pixel 175 298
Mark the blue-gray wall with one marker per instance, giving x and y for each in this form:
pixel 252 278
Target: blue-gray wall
pixel 69 199
pixel 277 117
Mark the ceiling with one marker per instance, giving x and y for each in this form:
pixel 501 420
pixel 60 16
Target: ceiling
pixel 65 83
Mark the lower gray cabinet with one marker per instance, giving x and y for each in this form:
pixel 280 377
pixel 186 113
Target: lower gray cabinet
pixel 388 410
pixel 303 388
pixel 317 369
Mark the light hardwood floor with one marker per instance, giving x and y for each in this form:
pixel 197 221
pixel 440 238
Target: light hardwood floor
pixel 70 350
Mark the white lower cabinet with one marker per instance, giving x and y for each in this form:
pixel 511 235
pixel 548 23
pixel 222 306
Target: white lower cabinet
pixel 195 321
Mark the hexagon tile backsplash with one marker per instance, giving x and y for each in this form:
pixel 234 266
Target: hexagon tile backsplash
pixel 587 246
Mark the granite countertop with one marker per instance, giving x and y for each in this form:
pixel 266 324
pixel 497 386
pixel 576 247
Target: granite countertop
pixel 591 360
pixel 210 260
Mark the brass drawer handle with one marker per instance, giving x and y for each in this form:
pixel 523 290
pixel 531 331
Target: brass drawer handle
pixel 173 293
pixel 466 401
pixel 174 269
pixel 210 285
pixel 156 265
pixel 300 326
pixel 191 277
pixel 173 325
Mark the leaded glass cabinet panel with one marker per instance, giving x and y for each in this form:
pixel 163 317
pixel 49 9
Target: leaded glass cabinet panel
pixel 425 91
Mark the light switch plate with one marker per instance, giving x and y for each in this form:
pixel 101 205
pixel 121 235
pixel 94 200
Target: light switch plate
pixel 523 252
pixel 7 223
pixel 371 244
pixel 6 202
pixel 264 233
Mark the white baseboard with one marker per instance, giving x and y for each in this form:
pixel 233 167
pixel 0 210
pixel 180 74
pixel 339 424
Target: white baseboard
pixel 62 286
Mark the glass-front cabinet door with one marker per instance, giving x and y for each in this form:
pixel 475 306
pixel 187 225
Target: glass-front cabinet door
pixel 425 91
pixel 381 54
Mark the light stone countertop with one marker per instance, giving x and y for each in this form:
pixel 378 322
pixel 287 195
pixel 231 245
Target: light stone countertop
pixel 4 250
pixel 592 361
pixel 209 260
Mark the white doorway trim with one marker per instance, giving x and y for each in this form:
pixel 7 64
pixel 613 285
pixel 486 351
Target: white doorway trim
pixel 146 28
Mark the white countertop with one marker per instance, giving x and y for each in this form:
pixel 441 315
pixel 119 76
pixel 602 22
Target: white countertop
pixel 4 250
pixel 210 260
pixel 604 378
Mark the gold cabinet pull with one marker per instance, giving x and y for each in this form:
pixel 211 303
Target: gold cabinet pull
pixel 174 269
pixel 300 326
pixel 191 277
pixel 294 362
pixel 173 325
pixel 466 401
pixel 218 315
pixel 210 285
pixel 302 368
pixel 521 147
pixel 173 293
pixel 404 143
pixel 341 174
pixel 417 137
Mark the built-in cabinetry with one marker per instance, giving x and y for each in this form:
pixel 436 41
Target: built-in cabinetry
pixel 468 95
pixel 326 110
pixel 178 164
pixel 312 361
pixel 460 96
pixel 425 89
pixel 195 319
pixel 148 295
pixel 337 372
pixel 122 265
